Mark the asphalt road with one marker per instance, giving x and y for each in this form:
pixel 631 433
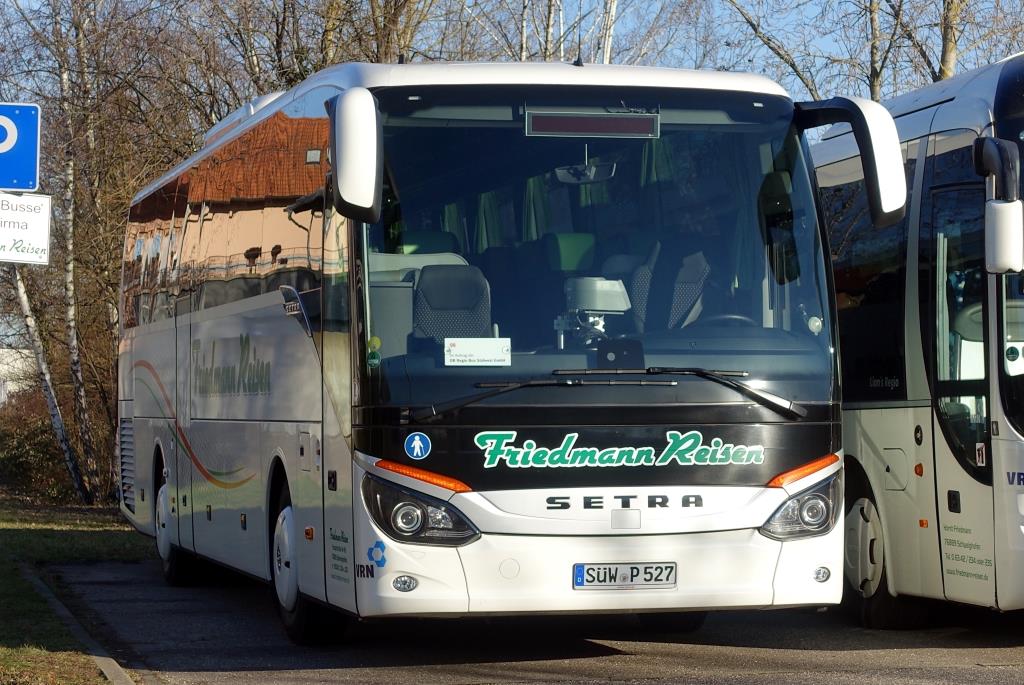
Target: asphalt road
pixel 226 631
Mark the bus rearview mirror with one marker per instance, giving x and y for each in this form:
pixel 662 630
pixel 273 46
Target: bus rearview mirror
pixel 1004 236
pixel 1004 213
pixel 881 157
pixel 356 154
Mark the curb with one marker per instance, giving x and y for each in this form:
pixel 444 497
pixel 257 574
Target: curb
pixel 111 669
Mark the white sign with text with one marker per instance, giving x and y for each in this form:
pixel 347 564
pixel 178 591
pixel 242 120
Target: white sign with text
pixel 25 228
pixel 478 351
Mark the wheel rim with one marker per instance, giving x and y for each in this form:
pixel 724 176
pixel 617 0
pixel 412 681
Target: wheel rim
pixel 865 551
pixel 163 515
pixel 286 581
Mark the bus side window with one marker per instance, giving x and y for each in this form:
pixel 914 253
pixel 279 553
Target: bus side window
pixel 129 278
pixel 869 265
pixel 292 239
pixel 335 273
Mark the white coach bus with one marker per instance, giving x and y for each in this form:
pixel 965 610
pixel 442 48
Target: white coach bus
pixel 931 324
pixel 447 340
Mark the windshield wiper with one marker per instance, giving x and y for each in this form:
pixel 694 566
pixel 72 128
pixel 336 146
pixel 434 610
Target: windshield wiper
pixel 501 387
pixel 724 377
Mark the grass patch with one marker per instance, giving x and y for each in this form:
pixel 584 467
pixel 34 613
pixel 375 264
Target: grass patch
pixel 44 534
pixel 35 647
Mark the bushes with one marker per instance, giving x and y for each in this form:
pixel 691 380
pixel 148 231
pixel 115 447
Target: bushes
pixel 30 460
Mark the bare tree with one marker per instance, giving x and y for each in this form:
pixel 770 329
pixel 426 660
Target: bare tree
pixel 881 47
pixel 46 382
pixel 802 67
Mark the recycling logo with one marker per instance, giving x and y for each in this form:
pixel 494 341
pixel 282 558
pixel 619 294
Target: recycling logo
pixel 376 554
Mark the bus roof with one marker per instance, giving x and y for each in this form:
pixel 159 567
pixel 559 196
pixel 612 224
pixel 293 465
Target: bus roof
pixel 976 83
pixel 470 73
pixel 966 100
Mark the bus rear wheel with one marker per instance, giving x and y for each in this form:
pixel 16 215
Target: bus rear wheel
pixel 866 576
pixel 304 621
pixel 175 563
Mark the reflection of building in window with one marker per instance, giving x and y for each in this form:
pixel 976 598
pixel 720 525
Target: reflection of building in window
pixel 250 242
pixel 265 163
pixel 221 231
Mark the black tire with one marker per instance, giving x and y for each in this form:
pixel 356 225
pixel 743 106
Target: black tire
pixel 673 622
pixel 177 565
pixel 306 623
pixel 866 594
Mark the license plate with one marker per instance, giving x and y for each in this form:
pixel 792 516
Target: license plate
pixel 623 576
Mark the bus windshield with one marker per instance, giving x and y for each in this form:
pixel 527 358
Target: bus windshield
pixel 529 230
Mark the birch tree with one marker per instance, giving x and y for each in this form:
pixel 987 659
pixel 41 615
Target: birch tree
pixel 46 383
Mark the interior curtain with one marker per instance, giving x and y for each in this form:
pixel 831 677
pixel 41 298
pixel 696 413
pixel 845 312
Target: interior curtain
pixel 488 221
pixel 451 220
pixel 537 210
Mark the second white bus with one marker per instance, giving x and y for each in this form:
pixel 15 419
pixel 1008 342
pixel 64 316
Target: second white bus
pixel 931 325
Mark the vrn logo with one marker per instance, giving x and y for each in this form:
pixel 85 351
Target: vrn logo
pixel 1015 477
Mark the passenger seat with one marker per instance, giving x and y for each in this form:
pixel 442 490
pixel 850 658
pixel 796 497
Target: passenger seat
pixel 665 289
pixel 450 301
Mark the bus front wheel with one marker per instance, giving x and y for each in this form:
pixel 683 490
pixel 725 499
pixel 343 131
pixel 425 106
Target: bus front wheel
pixel 304 621
pixel 866 571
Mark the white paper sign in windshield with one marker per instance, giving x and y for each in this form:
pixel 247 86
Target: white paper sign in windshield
pixel 25 228
pixel 478 352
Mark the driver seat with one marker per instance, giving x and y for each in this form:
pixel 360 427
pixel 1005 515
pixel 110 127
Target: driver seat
pixel 666 289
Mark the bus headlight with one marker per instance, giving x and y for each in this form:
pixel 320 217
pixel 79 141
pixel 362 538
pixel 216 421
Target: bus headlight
pixel 409 516
pixel 809 513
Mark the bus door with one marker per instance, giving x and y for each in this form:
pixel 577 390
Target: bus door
pixel 184 303
pixel 1007 445
pixel 182 321
pixel 955 323
pixel 344 562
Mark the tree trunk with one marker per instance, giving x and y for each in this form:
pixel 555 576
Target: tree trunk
pixel 74 354
pixel 523 42
pixel 549 31
pixel 46 381
pixel 875 67
pixel 610 9
pixel 952 10
pixel 70 312
pixel 561 32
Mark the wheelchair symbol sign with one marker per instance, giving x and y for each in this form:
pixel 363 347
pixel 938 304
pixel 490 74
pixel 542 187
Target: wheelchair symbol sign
pixel 19 147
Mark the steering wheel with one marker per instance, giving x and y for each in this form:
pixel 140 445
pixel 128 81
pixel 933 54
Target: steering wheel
pixel 735 319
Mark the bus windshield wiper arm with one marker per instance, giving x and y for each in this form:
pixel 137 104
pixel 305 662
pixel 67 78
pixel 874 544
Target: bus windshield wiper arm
pixel 724 377
pixel 500 387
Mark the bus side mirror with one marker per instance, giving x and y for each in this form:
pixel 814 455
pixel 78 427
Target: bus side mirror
pixel 356 154
pixel 1004 214
pixel 880 154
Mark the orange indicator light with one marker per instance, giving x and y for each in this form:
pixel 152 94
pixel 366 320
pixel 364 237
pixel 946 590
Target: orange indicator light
pixel 309 532
pixel 424 475
pixel 923 523
pixel 799 472
pixel 918 469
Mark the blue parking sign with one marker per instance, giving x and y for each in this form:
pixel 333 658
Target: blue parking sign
pixel 19 147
